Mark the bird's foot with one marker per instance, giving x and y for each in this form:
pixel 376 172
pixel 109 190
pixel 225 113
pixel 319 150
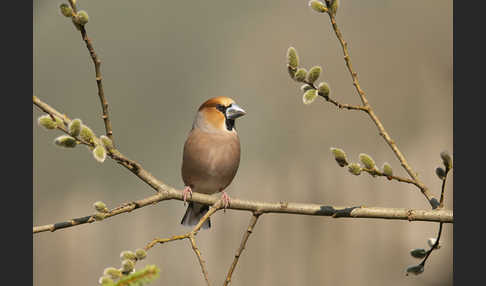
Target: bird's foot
pixel 226 200
pixel 187 190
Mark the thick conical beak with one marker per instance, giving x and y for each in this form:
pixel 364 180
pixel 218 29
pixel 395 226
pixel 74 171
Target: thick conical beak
pixel 234 111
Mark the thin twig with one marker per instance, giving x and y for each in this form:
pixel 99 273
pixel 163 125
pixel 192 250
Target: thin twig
pixel 443 188
pixel 441 205
pixel 125 208
pixel 191 237
pixel 375 172
pixel 344 105
pixel 97 64
pixel 215 207
pixel 246 235
pixel 335 102
pixel 435 246
pixel 202 263
pixel 367 108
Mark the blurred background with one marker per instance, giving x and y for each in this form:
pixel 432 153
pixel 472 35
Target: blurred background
pixel 162 59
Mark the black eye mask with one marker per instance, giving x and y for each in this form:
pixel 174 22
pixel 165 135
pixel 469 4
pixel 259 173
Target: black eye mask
pixel 230 123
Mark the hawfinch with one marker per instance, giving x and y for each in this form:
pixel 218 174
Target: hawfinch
pixel 211 154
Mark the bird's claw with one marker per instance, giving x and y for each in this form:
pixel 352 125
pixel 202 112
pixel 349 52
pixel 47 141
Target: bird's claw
pixel 187 190
pixel 226 200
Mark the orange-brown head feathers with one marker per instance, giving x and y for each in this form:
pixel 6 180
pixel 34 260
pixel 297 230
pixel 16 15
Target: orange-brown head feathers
pixel 218 114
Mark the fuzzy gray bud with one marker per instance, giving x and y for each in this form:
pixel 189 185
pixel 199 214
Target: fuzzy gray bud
pixel 440 172
pixel 418 253
pixel 354 168
pixel 314 74
pixel 324 89
pixel 387 170
pixel 75 127
pixel 66 141
pixel 140 253
pixel 300 74
pixel 415 269
pixel 317 6
pixel 81 18
pixel 339 156
pixel 367 161
pixel 292 58
pixel 446 159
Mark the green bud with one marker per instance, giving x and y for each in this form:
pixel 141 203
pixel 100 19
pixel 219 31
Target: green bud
pixel 305 87
pixel 367 161
pixel 324 89
pixel 418 253
pixel 446 159
pixel 333 7
pixel 75 127
pixel 112 272
pixel 292 58
pixel 99 153
pixel 152 269
pixel 314 74
pixel 66 10
pixel 127 254
pixel 128 265
pixel 340 156
pixel 100 207
pixel 354 168
pixel 86 134
pixel 415 269
pixel 106 280
pixel 387 169
pixel 440 172
pixel 46 122
pixel 66 141
pixel 59 121
pixel 81 18
pixel 431 241
pixel 300 74
pixel 99 216
pixel 106 142
pixel 309 96
pixel 317 6
pixel 140 253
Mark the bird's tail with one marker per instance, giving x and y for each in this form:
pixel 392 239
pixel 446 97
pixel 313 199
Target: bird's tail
pixel 194 213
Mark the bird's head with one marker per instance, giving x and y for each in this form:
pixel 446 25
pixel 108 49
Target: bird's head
pixel 218 114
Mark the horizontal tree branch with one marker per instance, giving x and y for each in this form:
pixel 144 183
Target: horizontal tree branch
pixel 441 215
pixel 165 192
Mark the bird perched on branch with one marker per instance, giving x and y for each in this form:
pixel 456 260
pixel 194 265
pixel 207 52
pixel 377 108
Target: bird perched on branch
pixel 211 154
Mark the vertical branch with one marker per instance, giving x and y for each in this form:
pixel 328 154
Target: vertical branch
pixel 202 263
pixel 97 63
pixel 347 59
pixel 435 246
pixel 246 235
pixel 215 207
pixel 441 205
pixel 101 94
pixel 191 237
pixel 391 143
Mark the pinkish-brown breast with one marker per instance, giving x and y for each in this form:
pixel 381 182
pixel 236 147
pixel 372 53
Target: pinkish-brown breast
pixel 210 160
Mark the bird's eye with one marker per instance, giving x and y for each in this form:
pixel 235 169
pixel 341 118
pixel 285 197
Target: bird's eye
pixel 221 108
